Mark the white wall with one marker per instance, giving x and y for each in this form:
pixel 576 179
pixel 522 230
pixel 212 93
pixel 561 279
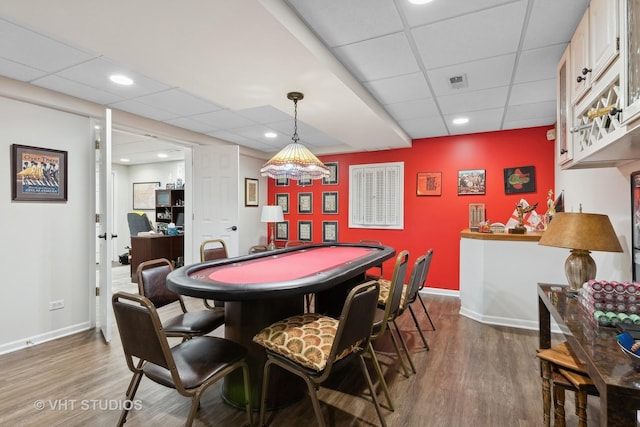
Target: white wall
pixel 44 249
pixel 252 231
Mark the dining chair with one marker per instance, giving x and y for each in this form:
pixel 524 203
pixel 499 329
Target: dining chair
pixel 308 298
pixel 386 315
pixel 313 346
pixel 152 284
pixel 190 367
pixel 414 294
pixel 211 250
pixel 562 371
pixel 419 297
pixel 376 272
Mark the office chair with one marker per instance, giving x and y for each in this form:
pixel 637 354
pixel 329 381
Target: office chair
pixel 189 367
pixel 152 284
pixel 138 222
pixel 340 341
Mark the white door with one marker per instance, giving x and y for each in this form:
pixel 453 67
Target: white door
pixel 215 196
pixel 104 209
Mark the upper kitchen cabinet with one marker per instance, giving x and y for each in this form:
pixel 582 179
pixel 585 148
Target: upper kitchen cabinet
pixel 579 60
pixel 631 62
pixel 564 148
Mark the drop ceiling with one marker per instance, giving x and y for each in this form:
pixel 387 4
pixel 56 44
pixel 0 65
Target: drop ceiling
pixel 375 73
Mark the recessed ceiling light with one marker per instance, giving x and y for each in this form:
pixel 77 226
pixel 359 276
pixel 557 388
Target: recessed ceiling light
pixel 163 155
pixel 419 1
pixel 121 79
pixel 270 135
pixel 460 121
pixel 125 160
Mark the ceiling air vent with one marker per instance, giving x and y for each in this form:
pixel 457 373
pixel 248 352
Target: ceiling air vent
pixel 458 82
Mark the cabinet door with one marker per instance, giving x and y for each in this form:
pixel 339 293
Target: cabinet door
pixel 580 68
pixel 631 60
pixel 603 35
pixel 564 144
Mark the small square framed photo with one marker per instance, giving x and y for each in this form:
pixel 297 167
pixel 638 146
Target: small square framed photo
pixel 429 184
pixel 330 231
pixel 305 203
pixel 330 202
pixel 282 230
pixel 282 200
pixel 520 179
pixel 304 231
pixel 304 182
pixel 38 174
pixel 471 181
pixel 282 182
pixel 333 176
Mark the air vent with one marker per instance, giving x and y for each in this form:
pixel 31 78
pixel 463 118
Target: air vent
pixel 458 82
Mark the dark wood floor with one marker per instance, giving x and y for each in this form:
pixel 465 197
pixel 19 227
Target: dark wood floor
pixel 474 375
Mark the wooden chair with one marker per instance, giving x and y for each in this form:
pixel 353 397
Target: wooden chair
pixel 374 273
pixel 211 250
pixel 340 341
pixel 561 371
pixel 388 314
pixel 190 367
pixel 152 284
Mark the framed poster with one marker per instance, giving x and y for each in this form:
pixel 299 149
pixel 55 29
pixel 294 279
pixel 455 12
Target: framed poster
pixel 330 231
pixel 330 202
pixel 305 203
pixel 144 195
pixel 429 184
pixel 282 230
pixel 251 192
pixel 282 200
pixel 520 179
pixel 471 181
pixel 304 231
pixel 38 174
pixel 282 182
pixel 304 182
pixel 333 174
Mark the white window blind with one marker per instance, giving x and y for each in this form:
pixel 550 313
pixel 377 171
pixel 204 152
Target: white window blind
pixel 376 195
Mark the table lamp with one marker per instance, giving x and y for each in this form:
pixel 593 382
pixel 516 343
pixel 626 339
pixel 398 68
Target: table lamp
pixel 582 233
pixel 271 215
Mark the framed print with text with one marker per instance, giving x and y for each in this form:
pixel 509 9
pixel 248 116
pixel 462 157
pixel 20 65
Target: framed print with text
pixel 282 230
pixel 304 231
pixel 330 202
pixel 282 182
pixel 250 192
pixel 333 175
pixel 429 184
pixel 38 174
pixel 471 181
pixel 305 203
pixel 330 231
pixel 304 182
pixel 282 200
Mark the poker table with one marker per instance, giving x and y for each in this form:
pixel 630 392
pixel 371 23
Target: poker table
pixel 265 287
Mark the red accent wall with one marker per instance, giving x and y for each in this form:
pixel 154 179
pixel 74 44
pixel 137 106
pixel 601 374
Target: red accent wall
pixel 435 221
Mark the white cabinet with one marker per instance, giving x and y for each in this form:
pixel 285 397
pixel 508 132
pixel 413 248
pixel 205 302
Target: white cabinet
pixel 603 35
pixel 564 148
pixel 631 62
pixel 579 60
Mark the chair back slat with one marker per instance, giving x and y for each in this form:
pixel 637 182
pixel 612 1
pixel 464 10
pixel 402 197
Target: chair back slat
pixel 397 281
pixel 152 282
pixel 416 279
pixel 213 249
pixel 140 329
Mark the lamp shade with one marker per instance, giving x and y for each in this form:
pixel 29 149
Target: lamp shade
pixel 295 162
pixel 271 213
pixel 589 232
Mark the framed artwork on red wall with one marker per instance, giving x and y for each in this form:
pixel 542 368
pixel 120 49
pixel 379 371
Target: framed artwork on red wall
pixel 429 184
pixel 471 181
pixel 521 179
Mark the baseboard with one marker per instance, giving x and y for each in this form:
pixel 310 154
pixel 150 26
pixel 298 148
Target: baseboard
pixel 508 322
pixel 42 338
pixel 439 291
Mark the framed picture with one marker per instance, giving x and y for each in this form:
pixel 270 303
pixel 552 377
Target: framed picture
pixel 304 231
pixel 429 184
pixel 282 200
pixel 330 202
pixel 38 174
pixel 144 195
pixel 305 203
pixel 330 231
pixel 282 182
pixel 251 192
pixel 476 215
pixel 333 176
pixel 471 181
pixel 521 179
pixel 282 230
pixel 304 182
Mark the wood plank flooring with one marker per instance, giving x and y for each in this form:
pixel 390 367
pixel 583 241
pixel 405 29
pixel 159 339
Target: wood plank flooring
pixel 474 375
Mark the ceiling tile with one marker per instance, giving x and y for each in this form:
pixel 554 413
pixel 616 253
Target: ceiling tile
pixel 17 71
pixel 142 109
pixel 76 89
pixel 403 111
pixel 401 88
pixel 474 101
pixel 479 121
pixel 539 64
pixel 189 123
pixel 223 119
pixel 178 102
pixel 426 127
pixel 553 22
pixel 533 92
pixel 443 10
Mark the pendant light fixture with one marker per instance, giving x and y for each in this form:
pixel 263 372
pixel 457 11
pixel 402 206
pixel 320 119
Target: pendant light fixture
pixel 295 161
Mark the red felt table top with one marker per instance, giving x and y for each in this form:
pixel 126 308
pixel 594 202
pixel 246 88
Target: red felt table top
pixel 286 266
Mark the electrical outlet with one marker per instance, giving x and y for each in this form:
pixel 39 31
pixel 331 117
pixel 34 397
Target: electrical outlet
pixel 56 305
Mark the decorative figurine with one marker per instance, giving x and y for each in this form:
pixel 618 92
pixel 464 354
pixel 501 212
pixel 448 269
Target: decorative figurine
pixel 520 228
